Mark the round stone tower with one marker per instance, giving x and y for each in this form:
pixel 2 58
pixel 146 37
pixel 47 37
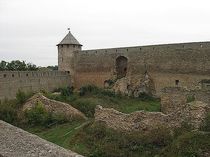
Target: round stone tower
pixel 66 49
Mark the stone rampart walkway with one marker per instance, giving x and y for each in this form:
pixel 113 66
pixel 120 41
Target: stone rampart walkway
pixel 15 142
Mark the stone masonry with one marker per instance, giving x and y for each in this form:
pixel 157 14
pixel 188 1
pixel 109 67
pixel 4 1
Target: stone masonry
pixel 193 113
pixel 15 142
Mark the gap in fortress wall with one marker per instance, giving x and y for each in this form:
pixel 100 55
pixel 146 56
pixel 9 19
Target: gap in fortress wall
pixel 28 81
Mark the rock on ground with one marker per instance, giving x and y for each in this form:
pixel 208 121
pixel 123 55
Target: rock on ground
pixel 54 107
pixel 15 142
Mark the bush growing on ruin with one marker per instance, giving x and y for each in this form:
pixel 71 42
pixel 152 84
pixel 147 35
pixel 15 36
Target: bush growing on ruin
pixel 39 116
pixel 190 98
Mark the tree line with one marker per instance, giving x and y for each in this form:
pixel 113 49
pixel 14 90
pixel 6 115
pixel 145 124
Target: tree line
pixel 17 65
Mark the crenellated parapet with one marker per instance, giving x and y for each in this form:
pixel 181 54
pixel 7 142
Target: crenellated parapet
pixel 29 81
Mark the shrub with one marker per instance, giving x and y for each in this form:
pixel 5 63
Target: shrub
pixel 8 111
pixel 66 91
pixel 86 107
pixel 39 116
pixel 190 98
pixel 91 89
pixel 145 96
pixel 22 96
pixel 109 93
pixel 87 90
pixel 106 142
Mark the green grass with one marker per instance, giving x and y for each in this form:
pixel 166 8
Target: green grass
pixel 123 104
pixel 59 134
pixel 95 140
pixel 189 144
pixel 87 103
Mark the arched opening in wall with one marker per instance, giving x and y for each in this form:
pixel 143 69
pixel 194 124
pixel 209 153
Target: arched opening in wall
pixel 121 66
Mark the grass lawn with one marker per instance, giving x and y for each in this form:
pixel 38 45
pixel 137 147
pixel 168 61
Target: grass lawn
pixel 58 134
pixel 123 104
pixel 94 141
pixel 88 102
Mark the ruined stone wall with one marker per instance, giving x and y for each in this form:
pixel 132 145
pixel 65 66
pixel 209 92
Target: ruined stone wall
pixel 188 62
pixel 12 81
pixel 179 94
pixel 193 113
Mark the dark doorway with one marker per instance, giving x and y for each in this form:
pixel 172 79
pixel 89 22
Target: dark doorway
pixel 121 66
pixel 176 82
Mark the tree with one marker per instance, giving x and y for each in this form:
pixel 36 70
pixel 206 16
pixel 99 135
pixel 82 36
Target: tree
pixel 53 67
pixel 3 65
pixel 32 67
pixel 17 65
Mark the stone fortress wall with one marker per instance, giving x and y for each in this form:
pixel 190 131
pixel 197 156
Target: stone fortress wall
pixel 184 65
pixel 12 81
pixel 169 65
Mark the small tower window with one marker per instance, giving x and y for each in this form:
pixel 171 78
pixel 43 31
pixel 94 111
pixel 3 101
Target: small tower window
pixel 13 75
pixel 5 75
pixel 176 82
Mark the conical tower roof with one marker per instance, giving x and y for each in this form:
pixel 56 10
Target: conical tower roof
pixel 69 39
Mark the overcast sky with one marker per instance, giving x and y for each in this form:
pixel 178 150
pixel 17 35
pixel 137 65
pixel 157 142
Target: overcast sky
pixel 30 29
